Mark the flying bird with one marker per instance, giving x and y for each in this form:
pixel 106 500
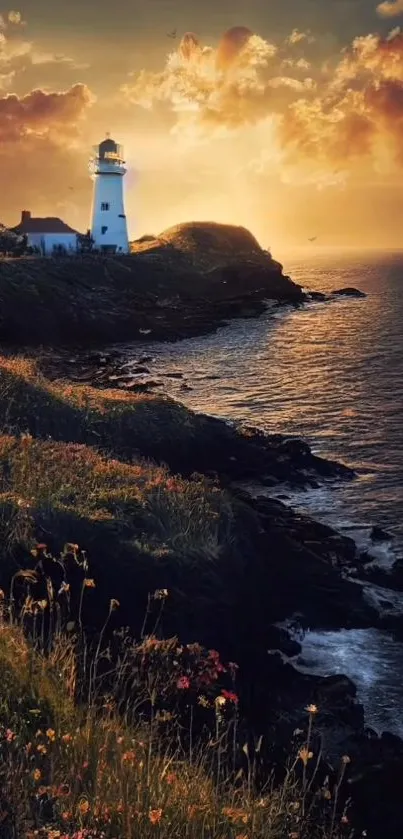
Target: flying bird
pixel 172 34
pixel 312 238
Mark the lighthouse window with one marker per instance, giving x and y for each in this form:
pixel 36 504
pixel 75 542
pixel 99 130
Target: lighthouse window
pixel 103 230
pixel 105 206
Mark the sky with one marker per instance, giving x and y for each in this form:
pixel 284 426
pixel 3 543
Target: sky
pixel 284 117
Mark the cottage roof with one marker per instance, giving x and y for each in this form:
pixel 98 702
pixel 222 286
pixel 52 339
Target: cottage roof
pixel 28 224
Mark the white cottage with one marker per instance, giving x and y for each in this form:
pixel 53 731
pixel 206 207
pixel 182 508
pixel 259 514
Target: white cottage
pixel 50 235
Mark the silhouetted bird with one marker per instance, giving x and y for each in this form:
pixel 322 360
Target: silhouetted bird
pixel 312 238
pixel 172 34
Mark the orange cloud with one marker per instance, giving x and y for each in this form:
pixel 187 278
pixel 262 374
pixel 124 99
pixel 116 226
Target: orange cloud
pixel 349 118
pixel 41 153
pixel 390 8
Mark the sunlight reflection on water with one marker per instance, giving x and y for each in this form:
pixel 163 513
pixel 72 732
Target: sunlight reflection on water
pixel 333 374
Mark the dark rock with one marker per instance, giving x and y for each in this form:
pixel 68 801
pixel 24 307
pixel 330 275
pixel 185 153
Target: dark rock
pixel 140 386
pixel 317 295
pixel 349 292
pixel 378 534
pixel 173 375
pixel 141 369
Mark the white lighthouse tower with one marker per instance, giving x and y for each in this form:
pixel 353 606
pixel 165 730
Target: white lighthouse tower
pixel 108 218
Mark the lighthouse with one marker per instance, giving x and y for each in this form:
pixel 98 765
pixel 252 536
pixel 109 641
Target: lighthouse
pixel 108 218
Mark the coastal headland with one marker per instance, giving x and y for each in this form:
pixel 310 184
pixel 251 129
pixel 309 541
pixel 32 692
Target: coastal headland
pixel 186 281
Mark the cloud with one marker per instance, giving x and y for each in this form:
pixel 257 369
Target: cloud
pixel 15 18
pixel 41 148
pixel 18 56
pixel 296 37
pixel 390 8
pixel 349 117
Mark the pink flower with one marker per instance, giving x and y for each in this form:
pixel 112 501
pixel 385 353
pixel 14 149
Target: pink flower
pixel 183 683
pixel 10 736
pixel 230 696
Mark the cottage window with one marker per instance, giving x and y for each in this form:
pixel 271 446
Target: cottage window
pixel 105 206
pixel 103 230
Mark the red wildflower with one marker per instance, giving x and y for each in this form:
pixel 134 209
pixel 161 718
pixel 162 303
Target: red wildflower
pixel 183 683
pixel 230 696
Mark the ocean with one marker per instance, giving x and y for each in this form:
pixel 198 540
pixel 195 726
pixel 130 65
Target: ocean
pixel 331 373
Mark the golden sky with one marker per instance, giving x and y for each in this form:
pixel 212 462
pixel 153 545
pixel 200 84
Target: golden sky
pixel 286 118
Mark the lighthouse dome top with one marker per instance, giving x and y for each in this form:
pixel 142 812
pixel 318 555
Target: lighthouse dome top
pixel 108 147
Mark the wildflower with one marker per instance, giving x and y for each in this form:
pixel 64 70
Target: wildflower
pixel 41 749
pixel 65 587
pixel 51 734
pixel 230 696
pixel 327 794
pixel 66 738
pixel 235 814
pixel 114 604
pixel 2 595
pixel 128 757
pixel 344 819
pixel 42 604
pixel 183 683
pixel 171 778
pixel 312 709
pixel 37 774
pixel 84 806
pixel 88 582
pixel 119 740
pixel 10 736
pixel 305 755
pixel 155 816
pixel 220 700
pixel 203 701
pixel 346 759
pixel 67 815
pixel 164 716
pixel 160 594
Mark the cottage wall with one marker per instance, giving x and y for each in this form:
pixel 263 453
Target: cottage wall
pixel 47 242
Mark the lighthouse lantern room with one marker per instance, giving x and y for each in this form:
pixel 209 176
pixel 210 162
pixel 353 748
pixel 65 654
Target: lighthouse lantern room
pixel 108 218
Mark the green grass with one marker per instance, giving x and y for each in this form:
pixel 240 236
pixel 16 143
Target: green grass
pixel 143 526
